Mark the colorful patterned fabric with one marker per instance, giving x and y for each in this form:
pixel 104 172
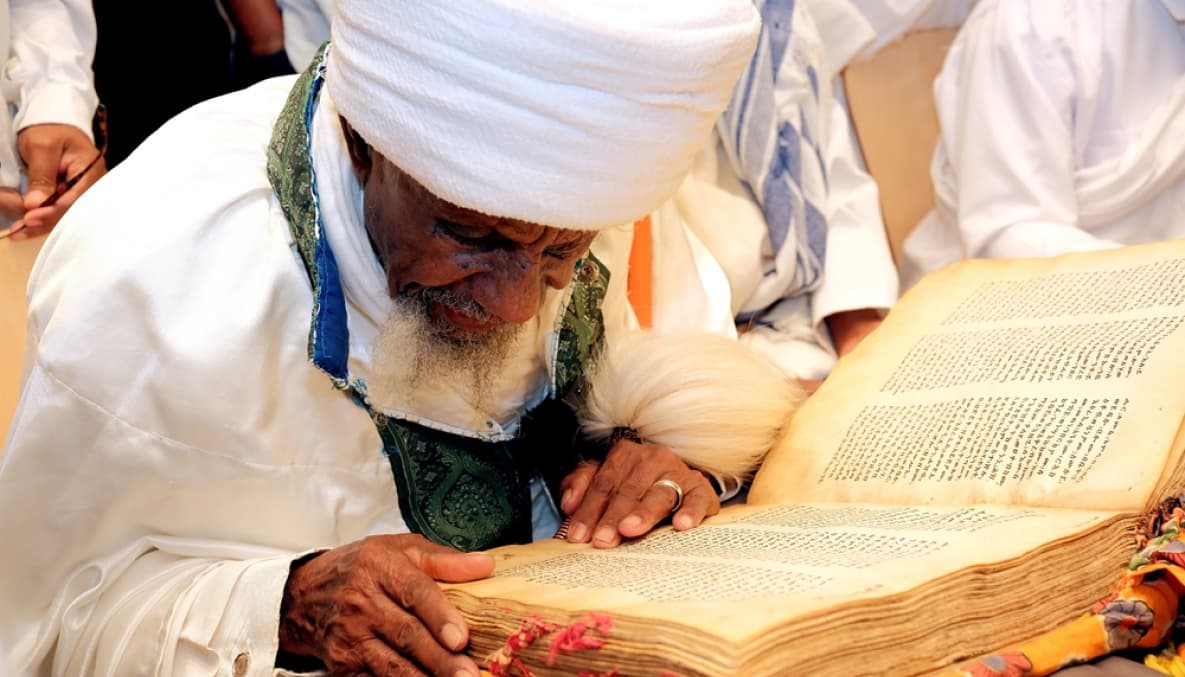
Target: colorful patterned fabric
pixel 1140 614
pixel 457 491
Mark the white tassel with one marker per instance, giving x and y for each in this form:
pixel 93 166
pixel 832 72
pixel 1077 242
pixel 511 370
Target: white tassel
pixel 714 402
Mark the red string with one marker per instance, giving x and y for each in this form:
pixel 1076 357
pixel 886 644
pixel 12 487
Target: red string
pixel 505 661
pixel 572 638
pixel 530 629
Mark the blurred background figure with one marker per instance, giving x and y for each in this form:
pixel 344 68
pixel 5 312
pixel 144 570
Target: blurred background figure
pixel 1062 129
pixel 192 37
pixel 211 47
pixel 776 236
pixel 261 40
pixel 306 26
pixel 48 155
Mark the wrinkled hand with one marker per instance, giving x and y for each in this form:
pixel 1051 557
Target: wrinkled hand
pixel 373 608
pixel 618 498
pixel 53 154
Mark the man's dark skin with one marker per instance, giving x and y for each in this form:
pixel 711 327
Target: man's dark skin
pixel 373 607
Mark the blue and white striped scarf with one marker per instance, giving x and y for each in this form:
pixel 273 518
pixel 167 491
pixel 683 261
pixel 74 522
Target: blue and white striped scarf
pixel 769 133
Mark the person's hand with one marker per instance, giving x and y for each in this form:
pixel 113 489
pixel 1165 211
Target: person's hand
pixel 373 607
pixel 850 327
pixel 809 385
pixel 54 154
pixel 619 498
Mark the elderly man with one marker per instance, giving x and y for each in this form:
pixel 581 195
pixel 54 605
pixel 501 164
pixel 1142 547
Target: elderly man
pixel 308 318
pixel 731 247
pixel 1062 129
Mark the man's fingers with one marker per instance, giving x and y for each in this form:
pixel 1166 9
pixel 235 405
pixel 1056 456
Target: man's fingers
pixel 408 637
pixel 52 152
pixel 635 496
pixel 698 503
pixel 381 659
pixel 445 564
pixel 594 502
pixel 575 485
pixel 653 508
pixel 44 217
pixel 42 166
pixel 415 591
pixel 29 232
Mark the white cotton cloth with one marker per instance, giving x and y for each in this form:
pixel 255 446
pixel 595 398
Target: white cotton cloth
pixel 580 115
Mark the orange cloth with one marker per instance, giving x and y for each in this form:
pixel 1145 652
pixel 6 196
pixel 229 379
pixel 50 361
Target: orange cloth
pixel 1140 614
pixel 640 284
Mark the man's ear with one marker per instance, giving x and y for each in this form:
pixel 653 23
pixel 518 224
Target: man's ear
pixel 359 152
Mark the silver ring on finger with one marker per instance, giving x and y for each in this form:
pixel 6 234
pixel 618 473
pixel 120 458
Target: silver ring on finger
pixel 673 486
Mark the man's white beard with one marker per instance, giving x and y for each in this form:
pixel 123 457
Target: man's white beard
pixel 411 361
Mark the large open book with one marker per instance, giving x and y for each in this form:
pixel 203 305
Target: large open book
pixel 974 474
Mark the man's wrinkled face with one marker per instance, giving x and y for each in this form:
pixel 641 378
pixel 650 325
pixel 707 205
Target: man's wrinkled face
pixel 469 273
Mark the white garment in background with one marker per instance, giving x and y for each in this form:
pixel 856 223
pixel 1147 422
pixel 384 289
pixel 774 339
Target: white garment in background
pixel 1062 129
pixel 712 249
pixel 47 47
pixel 306 27
pixel 857 29
pixel 174 460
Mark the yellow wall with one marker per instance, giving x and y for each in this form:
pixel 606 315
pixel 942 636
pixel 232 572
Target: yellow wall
pixel 16 260
pixel 892 103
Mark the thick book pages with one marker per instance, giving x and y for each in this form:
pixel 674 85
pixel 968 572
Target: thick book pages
pixel 820 589
pixel 1052 382
pixel 973 475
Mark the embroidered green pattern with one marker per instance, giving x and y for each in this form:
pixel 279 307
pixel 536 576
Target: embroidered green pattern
pixel 291 175
pixel 583 329
pixel 458 491
pixel 290 172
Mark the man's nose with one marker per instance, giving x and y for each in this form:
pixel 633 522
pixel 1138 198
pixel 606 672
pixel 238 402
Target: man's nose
pixel 515 289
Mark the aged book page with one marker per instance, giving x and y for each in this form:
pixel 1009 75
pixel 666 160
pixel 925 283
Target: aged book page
pixel 1053 382
pixel 753 567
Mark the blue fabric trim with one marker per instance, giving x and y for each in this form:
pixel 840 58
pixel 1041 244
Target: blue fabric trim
pixel 331 333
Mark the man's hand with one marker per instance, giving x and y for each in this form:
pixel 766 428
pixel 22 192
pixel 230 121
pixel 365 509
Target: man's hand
pixel 809 385
pixel 850 327
pixel 373 608
pixel 618 498
pixel 54 154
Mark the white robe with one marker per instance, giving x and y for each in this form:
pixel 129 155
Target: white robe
pixel 174 448
pixel 1062 129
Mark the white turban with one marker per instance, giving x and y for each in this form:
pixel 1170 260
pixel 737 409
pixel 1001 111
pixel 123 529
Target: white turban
pixel 579 114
